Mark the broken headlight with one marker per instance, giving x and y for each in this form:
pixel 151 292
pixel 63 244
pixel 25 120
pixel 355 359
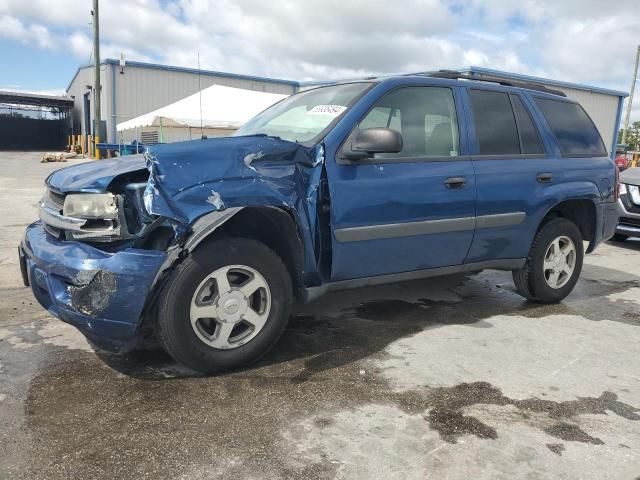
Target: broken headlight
pixel 90 205
pixel 100 212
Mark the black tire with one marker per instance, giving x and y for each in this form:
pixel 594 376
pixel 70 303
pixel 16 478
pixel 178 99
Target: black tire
pixel 619 237
pixel 530 281
pixel 175 332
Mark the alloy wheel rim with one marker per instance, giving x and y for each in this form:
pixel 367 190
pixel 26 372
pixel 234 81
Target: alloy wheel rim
pixel 230 306
pixel 559 262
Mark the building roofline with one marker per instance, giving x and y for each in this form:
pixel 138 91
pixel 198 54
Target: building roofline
pixel 26 98
pixel 171 68
pixel 296 84
pixel 545 81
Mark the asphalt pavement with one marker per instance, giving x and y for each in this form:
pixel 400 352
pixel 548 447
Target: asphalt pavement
pixel 454 377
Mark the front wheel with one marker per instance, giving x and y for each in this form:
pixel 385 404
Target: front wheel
pixel 554 263
pixel 225 306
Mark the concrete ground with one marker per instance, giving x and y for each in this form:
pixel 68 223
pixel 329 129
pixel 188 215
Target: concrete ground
pixel 452 378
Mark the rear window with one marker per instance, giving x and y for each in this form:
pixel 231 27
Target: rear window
pixel 576 134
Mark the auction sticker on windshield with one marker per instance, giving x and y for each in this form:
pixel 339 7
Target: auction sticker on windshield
pixel 333 110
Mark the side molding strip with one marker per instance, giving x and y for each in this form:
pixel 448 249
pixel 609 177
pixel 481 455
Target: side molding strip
pixel 393 230
pixel 500 220
pixel 428 227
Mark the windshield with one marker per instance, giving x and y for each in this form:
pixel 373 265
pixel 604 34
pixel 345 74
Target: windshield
pixel 302 117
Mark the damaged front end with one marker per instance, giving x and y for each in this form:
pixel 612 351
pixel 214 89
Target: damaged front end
pixel 111 232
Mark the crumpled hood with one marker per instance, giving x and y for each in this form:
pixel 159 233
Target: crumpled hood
pixel 190 179
pixel 93 176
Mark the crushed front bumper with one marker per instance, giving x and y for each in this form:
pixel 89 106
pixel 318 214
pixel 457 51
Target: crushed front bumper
pixel 103 294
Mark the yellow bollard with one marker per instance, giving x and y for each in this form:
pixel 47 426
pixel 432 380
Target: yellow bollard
pixel 97 150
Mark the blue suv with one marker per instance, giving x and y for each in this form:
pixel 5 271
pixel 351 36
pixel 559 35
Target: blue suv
pixel 204 246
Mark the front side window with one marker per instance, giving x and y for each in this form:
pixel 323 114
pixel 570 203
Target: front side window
pixel 575 132
pixel 495 123
pixel 302 117
pixel 424 116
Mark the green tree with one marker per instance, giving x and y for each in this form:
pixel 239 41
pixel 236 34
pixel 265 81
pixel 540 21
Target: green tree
pixel 633 138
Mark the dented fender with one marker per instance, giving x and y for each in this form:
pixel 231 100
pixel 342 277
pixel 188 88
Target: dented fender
pixel 202 184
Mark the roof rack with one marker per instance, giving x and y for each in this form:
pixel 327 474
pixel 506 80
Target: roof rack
pixel 483 77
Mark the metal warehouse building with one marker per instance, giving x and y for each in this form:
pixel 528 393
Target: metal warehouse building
pixel 139 88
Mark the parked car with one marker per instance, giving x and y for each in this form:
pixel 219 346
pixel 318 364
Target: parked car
pixel 629 205
pixel 205 245
pixel 622 161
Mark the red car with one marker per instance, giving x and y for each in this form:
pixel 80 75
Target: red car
pixel 622 162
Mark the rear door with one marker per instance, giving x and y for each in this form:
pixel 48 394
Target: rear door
pixel 514 167
pixel 408 211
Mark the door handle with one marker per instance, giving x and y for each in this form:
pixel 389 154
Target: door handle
pixel 544 177
pixel 455 182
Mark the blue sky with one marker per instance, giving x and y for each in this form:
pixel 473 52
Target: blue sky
pixel 42 42
pixel 32 68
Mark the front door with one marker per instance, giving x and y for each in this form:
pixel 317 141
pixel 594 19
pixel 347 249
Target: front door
pixel 406 211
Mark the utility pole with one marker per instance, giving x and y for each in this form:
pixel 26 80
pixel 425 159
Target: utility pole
pixel 97 89
pixel 630 102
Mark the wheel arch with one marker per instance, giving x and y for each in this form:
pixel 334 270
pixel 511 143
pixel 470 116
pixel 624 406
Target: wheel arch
pixel 581 211
pixel 275 227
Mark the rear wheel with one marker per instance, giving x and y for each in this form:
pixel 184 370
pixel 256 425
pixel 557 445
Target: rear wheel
pixel 226 305
pixel 554 263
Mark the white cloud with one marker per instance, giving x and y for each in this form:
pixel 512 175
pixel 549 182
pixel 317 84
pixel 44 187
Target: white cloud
pixel 34 34
pixel 587 41
pixel 80 44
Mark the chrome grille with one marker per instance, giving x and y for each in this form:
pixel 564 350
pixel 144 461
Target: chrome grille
pixel 53 231
pixel 54 199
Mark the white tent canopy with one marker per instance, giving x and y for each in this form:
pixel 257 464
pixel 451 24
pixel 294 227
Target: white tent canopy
pixel 222 107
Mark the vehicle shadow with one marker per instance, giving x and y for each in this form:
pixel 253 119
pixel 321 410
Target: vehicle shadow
pixel 345 327
pixel 629 244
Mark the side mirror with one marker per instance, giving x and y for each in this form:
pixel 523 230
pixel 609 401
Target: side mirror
pixel 369 141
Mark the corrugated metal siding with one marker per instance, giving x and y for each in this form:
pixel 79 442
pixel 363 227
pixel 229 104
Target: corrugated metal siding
pixel 142 90
pixel 78 88
pixel 602 108
pixel 174 134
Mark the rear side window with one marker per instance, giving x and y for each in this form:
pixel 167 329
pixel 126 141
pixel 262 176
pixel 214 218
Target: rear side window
pixel 495 123
pixel 576 134
pixel 529 138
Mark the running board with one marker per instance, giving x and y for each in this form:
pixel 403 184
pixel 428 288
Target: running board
pixel 311 293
